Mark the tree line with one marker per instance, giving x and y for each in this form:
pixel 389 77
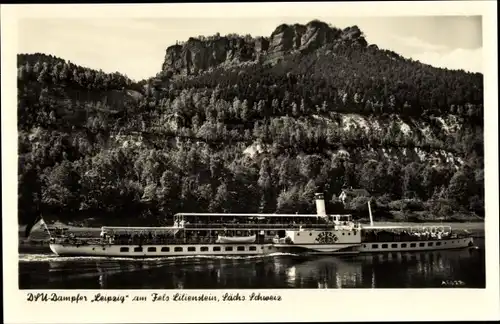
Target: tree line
pixel 261 138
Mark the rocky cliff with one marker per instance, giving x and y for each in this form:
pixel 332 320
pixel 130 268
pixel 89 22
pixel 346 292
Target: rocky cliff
pixel 201 54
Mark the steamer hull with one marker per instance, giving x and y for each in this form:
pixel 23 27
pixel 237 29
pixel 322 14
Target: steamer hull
pixel 153 251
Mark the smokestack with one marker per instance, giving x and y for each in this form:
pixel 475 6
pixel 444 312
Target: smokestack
pixel 320 204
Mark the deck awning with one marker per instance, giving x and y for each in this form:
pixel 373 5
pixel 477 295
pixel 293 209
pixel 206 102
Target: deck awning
pixel 124 229
pixel 258 216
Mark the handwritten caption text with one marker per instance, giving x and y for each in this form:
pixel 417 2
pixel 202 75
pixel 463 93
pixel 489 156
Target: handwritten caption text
pixel 153 297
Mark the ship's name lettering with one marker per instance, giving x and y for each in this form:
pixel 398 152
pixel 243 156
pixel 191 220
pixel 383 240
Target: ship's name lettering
pixel 109 299
pixel 53 297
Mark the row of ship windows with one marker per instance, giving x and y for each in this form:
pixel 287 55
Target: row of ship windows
pixel 403 245
pixel 189 249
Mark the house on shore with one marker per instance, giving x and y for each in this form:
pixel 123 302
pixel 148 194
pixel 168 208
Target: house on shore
pixel 348 194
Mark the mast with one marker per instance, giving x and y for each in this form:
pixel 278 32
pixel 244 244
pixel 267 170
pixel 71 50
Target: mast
pixel 370 212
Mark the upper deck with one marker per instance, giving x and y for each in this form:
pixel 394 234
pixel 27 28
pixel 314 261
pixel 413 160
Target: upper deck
pixel 240 220
pixel 134 230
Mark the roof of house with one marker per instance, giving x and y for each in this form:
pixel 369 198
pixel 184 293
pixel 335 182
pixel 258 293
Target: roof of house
pixel 356 192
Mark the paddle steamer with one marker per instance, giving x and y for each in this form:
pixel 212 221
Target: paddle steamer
pixel 206 234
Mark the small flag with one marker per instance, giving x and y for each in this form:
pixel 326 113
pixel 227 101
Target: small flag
pixel 38 221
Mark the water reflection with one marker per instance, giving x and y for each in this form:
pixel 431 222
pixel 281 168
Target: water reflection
pixel 326 272
pixel 389 270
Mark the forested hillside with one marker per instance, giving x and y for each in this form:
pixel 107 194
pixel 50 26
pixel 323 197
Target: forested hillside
pixel 257 135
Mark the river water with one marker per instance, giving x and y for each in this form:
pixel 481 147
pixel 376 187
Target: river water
pixel 453 268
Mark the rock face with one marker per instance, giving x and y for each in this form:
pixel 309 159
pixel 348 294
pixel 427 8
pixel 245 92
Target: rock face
pixel 286 38
pixel 198 55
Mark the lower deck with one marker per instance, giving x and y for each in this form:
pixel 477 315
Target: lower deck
pixel 113 250
pixel 430 245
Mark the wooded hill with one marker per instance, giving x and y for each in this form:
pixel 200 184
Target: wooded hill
pixel 260 129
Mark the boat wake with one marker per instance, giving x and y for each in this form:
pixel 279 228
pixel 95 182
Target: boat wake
pixel 56 258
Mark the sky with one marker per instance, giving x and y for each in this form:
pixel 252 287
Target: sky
pixel 136 46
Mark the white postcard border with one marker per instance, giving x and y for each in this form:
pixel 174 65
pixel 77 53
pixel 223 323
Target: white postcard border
pixel 297 304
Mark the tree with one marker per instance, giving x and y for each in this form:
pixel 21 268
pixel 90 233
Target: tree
pixel 245 113
pixel 221 201
pixel 295 109
pixel 310 166
pixel 59 186
pixel 411 181
pixel 287 201
pixel 369 175
pixel 21 73
pixel 265 183
pixel 460 186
